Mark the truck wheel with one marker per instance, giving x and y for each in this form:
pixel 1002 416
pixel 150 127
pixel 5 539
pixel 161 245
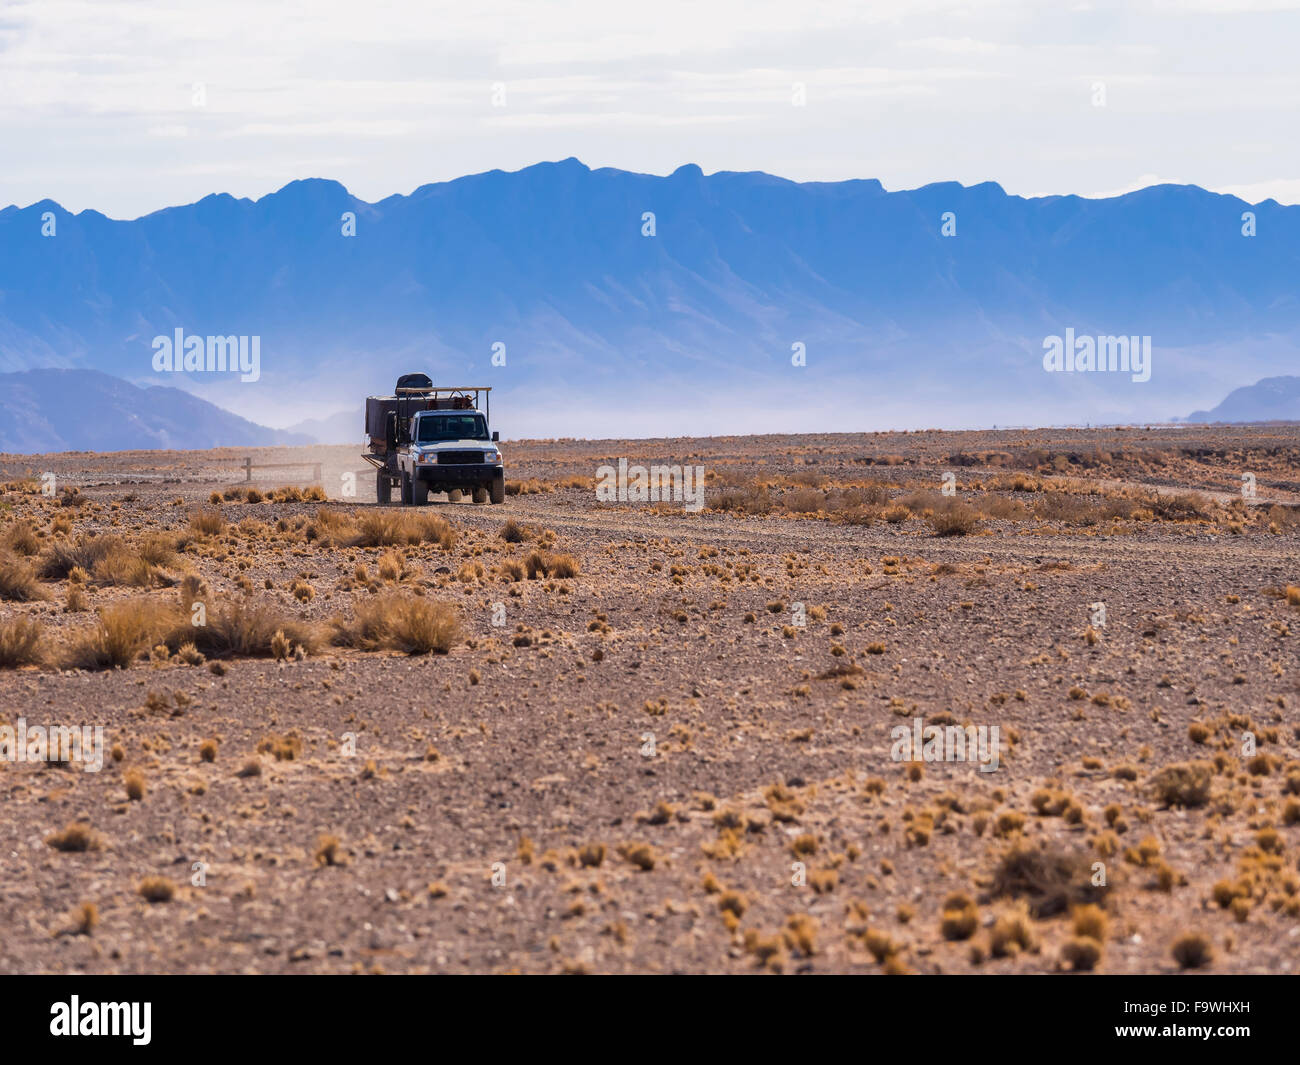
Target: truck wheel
pixel 383 489
pixel 420 492
pixel 454 495
pixel 406 488
pixel 480 494
pixel 499 488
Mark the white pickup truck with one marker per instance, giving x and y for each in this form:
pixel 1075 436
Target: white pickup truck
pixel 450 451
pixel 424 439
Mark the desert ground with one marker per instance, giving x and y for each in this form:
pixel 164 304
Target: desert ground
pixel 560 735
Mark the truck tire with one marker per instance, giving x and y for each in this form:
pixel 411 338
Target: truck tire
pixel 419 492
pixel 383 488
pixel 406 488
pixel 499 488
pixel 454 495
pixel 480 493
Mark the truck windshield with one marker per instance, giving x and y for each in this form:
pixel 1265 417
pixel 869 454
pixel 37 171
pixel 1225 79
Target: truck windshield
pixel 434 427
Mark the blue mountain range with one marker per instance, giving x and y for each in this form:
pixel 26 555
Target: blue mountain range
pixel 619 303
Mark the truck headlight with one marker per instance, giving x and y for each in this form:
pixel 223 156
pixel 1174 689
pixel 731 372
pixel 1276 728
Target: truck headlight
pixel 492 456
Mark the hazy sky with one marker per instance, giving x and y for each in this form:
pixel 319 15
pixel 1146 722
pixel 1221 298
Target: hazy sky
pixel 127 107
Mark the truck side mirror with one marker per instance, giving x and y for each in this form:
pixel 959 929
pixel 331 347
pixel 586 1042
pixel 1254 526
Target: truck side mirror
pixel 495 436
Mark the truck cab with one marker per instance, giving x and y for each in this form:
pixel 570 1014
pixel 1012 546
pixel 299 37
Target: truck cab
pixel 451 451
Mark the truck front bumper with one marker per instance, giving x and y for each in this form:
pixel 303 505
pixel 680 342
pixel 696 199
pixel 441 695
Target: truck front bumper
pixel 477 473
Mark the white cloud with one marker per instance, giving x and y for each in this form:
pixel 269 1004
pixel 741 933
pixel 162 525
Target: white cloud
pixel 97 109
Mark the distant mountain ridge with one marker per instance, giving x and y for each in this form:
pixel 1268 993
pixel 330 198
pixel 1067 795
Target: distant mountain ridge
pixel 607 331
pixel 1274 399
pixel 84 410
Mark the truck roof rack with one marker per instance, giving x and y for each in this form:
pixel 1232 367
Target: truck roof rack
pixel 436 393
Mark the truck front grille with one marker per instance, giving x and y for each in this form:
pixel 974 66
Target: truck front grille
pixel 459 458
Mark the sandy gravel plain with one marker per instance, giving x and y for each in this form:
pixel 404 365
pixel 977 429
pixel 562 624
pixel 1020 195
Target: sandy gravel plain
pixel 564 736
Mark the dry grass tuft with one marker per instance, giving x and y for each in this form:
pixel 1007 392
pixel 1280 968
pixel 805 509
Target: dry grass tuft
pixel 1049 881
pixel 512 532
pixel 83 919
pixel 1012 933
pixel 957 519
pixel 135 785
pixel 156 889
pixel 549 564
pixel 63 557
pixel 20 643
pixel 411 624
pixel 1081 953
pixel 395 528
pixel 244 630
pixel 328 851
pixel 18 582
pixel 1183 784
pixel 120 633
pixel 207 523
pixel 75 838
pixel 1192 950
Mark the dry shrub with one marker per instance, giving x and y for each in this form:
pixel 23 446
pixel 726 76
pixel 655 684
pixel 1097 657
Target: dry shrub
pixel 244 630
pixel 530 487
pixel 1049 880
pixel 283 748
pixel 74 839
pixel 395 528
pixel 1070 509
pixel 207 523
pixel 192 589
pixel 1183 784
pixel 1012 933
pixel 411 624
pixel 956 519
pixel 1089 922
pixel 135 784
pixel 1191 950
pixel 328 851
pixel 1185 506
pixel 20 640
pixel 156 889
pixel 1081 953
pixel 120 633
pixel 512 532
pixel 21 538
pixel 158 549
pixel 803 501
pixel 549 564
pixel 18 582
pixel 391 566
pixel 330 527
pixel 959 918
pixel 63 558
pixel 83 919
pixel 123 566
pixel 749 498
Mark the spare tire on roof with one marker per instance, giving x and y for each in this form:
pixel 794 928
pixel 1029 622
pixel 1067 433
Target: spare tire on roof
pixel 414 380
